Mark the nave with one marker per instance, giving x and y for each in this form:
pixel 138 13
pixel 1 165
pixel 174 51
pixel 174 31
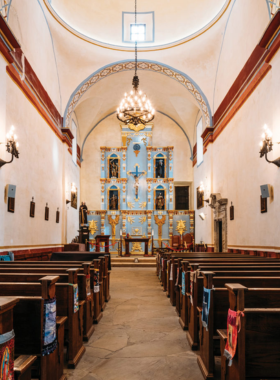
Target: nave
pixel 139 336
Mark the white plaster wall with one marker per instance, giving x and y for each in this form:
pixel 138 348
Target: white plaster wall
pixel 108 133
pixel 43 164
pixel 246 24
pixel 28 23
pixel 3 132
pixel 238 171
pixel 203 173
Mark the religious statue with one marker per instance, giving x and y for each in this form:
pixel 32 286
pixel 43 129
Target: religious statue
pixel 113 202
pixel 114 169
pixel 159 169
pixel 160 202
pixel 83 213
pixel 136 185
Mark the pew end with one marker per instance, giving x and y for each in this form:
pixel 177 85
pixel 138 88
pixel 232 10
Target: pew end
pixel 236 296
pixel 22 367
pixel 208 279
pixel 48 286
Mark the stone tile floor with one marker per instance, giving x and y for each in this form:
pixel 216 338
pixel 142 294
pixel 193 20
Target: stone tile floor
pixel 139 336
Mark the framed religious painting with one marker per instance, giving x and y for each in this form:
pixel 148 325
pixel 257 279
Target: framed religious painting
pixel 32 209
pixel 199 198
pixel 74 198
pixel 57 216
pixel 47 212
pixel 11 204
pixel 231 212
pixel 263 205
pixel 113 166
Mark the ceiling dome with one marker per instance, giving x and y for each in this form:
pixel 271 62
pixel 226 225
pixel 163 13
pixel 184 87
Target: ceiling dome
pixel 107 23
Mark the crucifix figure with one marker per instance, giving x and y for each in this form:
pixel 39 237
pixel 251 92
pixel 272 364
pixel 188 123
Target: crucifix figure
pixel 136 175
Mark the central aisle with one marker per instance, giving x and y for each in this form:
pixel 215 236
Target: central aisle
pixel 139 336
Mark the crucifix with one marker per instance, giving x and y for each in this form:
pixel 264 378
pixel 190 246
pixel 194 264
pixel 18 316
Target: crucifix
pixel 136 175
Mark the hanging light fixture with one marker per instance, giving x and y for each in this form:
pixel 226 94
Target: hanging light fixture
pixel 135 107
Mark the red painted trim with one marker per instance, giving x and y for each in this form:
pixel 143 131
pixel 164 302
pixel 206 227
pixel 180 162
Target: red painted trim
pixel 270 31
pixel 242 99
pixel 244 76
pixel 16 78
pixel 275 46
pixel 33 254
pixel 4 50
pixel 37 86
pixel 7 34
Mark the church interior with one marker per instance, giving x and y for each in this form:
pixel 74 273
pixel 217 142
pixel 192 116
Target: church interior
pixel 139 173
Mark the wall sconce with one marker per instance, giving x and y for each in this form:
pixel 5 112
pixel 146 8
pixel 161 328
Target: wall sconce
pixel 266 146
pixel 12 146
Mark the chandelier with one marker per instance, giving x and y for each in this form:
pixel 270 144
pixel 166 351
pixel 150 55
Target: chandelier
pixel 135 107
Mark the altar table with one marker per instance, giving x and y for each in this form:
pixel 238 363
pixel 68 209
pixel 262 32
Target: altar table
pixel 136 240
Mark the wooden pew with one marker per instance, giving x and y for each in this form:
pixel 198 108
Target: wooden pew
pixel 219 282
pixel 209 342
pixel 65 307
pixel 22 364
pixel 219 267
pixel 32 275
pixel 80 256
pixel 214 260
pixel 71 264
pixel 258 350
pixel 96 296
pixel 28 322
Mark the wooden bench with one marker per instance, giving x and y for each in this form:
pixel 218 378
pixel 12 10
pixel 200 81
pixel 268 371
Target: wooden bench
pixel 68 264
pixel 210 267
pixel 65 307
pixel 28 322
pixel 258 350
pixel 33 275
pixel 209 343
pixel 219 282
pixel 214 260
pixel 23 363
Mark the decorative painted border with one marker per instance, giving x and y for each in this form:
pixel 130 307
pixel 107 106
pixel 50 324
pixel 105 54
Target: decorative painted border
pixel 153 27
pixel 170 45
pixel 145 65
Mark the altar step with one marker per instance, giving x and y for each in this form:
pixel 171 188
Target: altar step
pixel 128 262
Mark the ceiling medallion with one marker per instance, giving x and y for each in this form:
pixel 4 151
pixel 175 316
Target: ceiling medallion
pixel 135 108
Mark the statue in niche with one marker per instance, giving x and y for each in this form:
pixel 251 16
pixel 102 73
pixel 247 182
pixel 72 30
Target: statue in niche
pixel 136 185
pixel 113 204
pixel 160 202
pixel 114 168
pixel 160 168
pixel 83 213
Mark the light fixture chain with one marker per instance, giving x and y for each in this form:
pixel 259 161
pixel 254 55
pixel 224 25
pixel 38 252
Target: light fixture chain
pixel 135 39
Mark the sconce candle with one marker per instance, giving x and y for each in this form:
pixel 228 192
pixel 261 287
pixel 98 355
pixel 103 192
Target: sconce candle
pixel 11 147
pixel 266 146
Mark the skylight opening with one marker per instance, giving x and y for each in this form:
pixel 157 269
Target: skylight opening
pixel 138 32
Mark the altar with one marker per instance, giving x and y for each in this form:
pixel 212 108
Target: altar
pixel 136 240
pixel 137 194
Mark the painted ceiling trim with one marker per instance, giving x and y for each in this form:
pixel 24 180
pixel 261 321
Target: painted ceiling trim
pixel 114 112
pixel 184 40
pixel 144 65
